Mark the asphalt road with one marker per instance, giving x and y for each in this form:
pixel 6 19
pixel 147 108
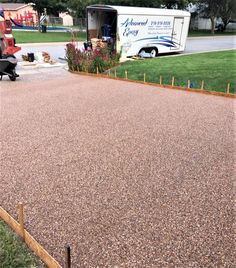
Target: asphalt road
pixel 194 45
pixel 56 50
pixel 201 44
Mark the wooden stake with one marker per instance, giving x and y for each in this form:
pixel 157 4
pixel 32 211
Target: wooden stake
pixel 97 70
pixel 67 257
pixel 109 72
pixel 188 83
pixel 126 75
pixel 21 219
pixel 115 72
pixel 228 88
pixel 161 80
pixel 173 81
pixel 144 78
pixel 202 85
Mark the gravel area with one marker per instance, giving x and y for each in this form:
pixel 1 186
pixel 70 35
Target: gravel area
pixel 129 175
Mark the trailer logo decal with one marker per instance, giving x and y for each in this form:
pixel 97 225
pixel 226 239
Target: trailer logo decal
pixel 131 22
pixel 128 31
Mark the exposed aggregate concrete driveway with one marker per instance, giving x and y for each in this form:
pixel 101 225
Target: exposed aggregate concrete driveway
pixel 129 175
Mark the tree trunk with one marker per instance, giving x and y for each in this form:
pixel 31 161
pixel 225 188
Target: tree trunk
pixel 225 22
pixel 212 24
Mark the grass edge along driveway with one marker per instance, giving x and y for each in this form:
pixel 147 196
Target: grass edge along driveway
pixel 13 253
pixel 215 68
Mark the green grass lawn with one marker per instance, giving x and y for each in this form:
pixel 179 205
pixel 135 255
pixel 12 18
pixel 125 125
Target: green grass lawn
pixel 215 68
pixel 37 37
pixel 13 253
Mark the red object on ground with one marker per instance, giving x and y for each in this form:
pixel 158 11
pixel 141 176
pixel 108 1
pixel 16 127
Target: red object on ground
pixel 8 46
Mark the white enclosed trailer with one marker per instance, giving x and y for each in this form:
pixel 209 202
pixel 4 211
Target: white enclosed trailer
pixel 135 30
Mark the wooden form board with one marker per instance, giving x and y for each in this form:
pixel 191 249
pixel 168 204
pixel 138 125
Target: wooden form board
pixel 29 240
pixel 115 77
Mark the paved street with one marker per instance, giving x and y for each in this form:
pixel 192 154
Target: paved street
pixel 196 44
pixel 130 175
pixel 201 44
pixel 56 50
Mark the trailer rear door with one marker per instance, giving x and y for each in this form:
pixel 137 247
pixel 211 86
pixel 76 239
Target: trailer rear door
pixel 177 32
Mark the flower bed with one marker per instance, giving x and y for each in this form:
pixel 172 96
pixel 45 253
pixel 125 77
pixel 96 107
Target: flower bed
pixel 92 61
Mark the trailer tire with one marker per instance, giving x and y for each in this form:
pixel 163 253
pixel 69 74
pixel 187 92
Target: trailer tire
pixel 153 52
pixel 141 52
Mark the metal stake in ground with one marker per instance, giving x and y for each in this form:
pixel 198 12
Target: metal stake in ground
pixel 67 257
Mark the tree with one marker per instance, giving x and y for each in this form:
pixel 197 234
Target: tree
pixel 149 3
pixel 13 1
pixel 179 4
pixel 78 7
pixel 211 10
pixel 228 8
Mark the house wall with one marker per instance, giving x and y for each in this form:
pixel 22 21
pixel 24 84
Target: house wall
pixel 26 15
pixel 199 23
pixel 204 24
pixel 67 19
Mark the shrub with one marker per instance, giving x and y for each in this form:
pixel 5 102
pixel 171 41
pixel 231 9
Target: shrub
pixel 90 60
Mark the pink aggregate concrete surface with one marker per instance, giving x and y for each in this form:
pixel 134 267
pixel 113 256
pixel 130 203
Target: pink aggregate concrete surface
pixel 128 175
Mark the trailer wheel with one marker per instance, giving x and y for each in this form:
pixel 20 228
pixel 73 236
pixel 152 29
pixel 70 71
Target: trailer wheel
pixel 153 52
pixel 142 52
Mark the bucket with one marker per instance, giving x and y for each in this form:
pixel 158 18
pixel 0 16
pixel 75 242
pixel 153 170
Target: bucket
pixel 31 57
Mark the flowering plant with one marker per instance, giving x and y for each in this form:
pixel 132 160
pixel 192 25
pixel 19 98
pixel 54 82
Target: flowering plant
pixel 99 59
